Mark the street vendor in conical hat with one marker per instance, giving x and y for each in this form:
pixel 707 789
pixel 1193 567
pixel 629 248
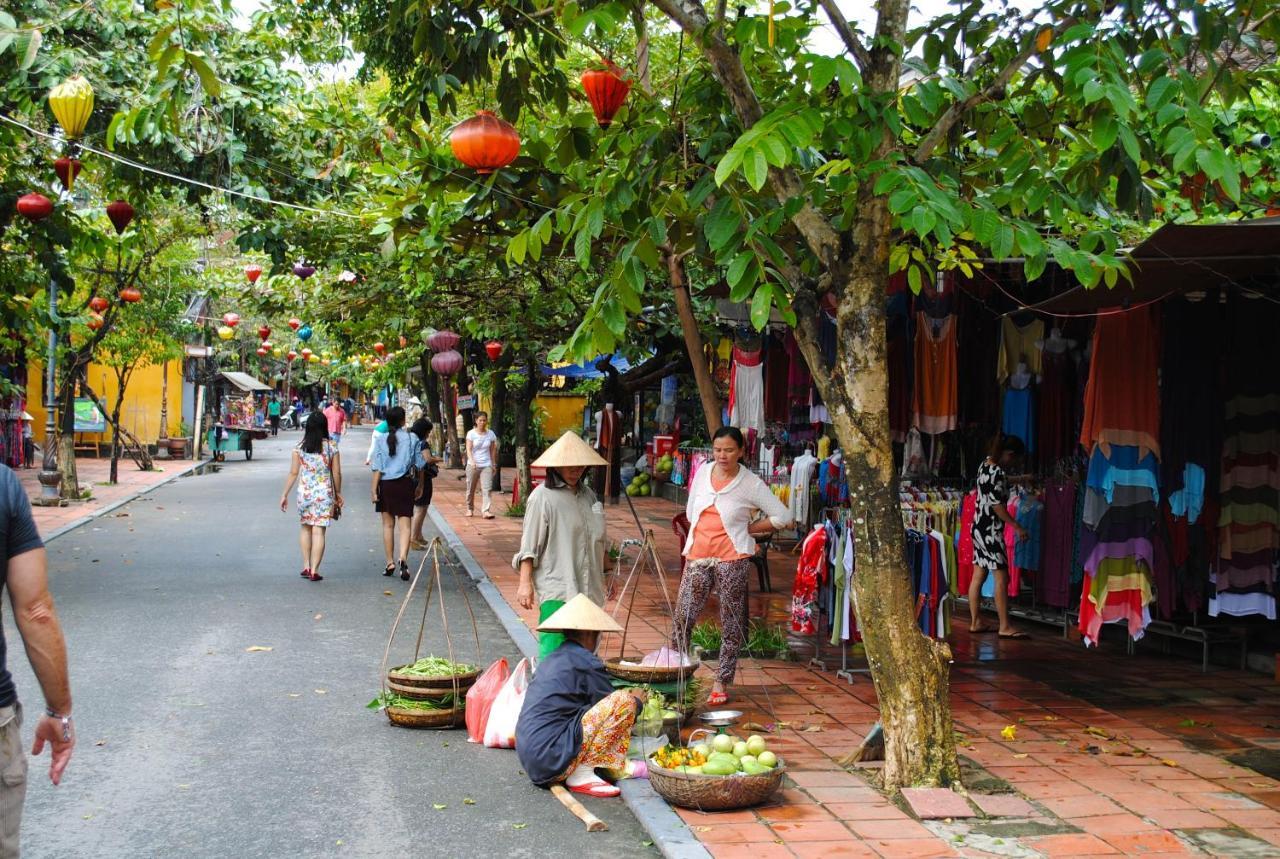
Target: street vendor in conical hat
pixel 574 724
pixel 563 546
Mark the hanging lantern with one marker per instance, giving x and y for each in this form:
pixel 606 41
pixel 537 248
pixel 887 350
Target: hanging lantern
pixel 231 319
pixel 446 363
pixel 275 350
pixel 120 213
pixel 264 331
pixel 379 347
pixel 404 341
pixel 485 142
pixel 67 169
pixel 267 344
pixel 95 321
pixel 324 362
pixel 72 104
pixel 253 271
pixel 606 90
pixel 303 271
pixel 262 353
pixel 304 333
pixel 226 332
pixel 35 207
pixel 443 341
pixel 306 354
pixel 131 294
pixel 295 323
pixel 291 355
pixel 427 334
pixel 98 304
pixel 347 276
pixel 314 359
pixel 493 349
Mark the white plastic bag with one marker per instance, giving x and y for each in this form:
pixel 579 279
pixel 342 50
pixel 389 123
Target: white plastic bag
pixel 500 730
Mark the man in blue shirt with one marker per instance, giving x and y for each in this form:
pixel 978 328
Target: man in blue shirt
pixel 25 572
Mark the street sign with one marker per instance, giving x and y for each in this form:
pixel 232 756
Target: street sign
pixel 466 401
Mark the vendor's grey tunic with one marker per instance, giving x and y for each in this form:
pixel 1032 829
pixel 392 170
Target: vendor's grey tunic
pixel 564 537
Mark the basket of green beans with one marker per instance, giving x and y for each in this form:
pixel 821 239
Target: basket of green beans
pixel 447 712
pixel 432 676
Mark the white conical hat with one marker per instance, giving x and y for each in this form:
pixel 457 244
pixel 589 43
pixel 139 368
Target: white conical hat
pixel 569 451
pixel 580 613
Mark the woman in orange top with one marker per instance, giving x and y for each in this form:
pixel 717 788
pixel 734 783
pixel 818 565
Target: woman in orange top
pixel 724 502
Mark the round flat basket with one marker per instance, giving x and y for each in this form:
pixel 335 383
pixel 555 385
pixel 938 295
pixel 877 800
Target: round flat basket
pixel 714 792
pixel 407 718
pixel 646 673
pixel 438 685
pixel 425 693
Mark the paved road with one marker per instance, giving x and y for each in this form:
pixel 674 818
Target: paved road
pixel 190 746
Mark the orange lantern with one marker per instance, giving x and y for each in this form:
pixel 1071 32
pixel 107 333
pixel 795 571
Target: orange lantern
pixel 306 354
pixel 95 321
pixel 98 304
pixel 606 90
pixel 131 294
pixel 485 142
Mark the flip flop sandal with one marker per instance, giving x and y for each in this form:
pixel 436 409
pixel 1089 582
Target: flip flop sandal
pixel 1019 636
pixel 718 699
pixel 983 630
pixel 599 789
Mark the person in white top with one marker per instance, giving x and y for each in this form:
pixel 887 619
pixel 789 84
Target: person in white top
pixel 724 502
pixel 482 455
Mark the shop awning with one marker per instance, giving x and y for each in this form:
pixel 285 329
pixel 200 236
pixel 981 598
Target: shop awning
pixel 587 369
pixel 245 382
pixel 1179 258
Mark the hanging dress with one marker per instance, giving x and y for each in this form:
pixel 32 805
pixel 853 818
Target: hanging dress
pixel 935 399
pixel 746 391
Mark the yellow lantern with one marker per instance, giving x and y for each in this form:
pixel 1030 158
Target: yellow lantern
pixel 314 359
pixel 72 104
pixel 226 332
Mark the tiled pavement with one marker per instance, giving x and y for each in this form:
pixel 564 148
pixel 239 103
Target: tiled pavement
pixel 1112 755
pixel 92 475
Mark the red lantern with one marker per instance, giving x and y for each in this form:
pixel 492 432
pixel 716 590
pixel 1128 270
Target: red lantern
pixel 262 353
pixel 485 142
pixel 98 304
pixel 606 90
pixel 67 169
pixel 493 349
pixel 231 320
pixel 95 321
pixel 120 213
pixel 253 271
pixel 291 355
pixel 379 348
pixel 35 207
pixel 446 363
pixel 443 341
pixel 267 344
pixel 264 331
pixel 131 294
pixel 295 323
pixel 306 354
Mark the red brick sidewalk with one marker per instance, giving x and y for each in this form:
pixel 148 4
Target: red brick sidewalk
pixel 92 474
pixel 1113 754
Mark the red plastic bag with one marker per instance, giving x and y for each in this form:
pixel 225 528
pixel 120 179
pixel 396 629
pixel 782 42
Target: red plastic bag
pixel 480 698
pixel 504 713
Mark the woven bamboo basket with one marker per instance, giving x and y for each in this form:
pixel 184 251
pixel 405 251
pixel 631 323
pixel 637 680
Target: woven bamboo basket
pixel 646 673
pixel 418 693
pixel 436 685
pixel 407 718
pixel 714 792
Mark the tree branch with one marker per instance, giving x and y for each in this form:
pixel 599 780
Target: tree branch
pixel 953 114
pixel 850 38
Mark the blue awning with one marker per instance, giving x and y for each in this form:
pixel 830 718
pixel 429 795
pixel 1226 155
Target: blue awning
pixel 587 369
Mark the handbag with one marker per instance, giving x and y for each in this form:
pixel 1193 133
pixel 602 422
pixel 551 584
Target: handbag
pixel 337 505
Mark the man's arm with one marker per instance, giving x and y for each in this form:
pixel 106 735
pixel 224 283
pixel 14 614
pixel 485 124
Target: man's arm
pixel 37 622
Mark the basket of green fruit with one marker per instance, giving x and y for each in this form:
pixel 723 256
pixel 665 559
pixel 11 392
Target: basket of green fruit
pixel 724 773
pixel 432 676
pixel 658 718
pixel 420 713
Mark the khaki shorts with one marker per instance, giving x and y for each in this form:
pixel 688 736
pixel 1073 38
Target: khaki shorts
pixel 13 779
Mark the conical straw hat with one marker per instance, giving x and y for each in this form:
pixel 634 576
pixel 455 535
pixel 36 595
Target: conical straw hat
pixel 569 451
pixel 580 613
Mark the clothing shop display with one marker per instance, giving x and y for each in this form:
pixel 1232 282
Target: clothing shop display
pixel 811 571
pixel 934 403
pixel 1055 408
pixel 1018 345
pixel 1122 397
pixel 746 390
pixel 1018 418
pixel 802 474
pixel 1053 585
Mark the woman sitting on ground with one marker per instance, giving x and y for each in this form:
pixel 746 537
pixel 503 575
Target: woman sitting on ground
pixel 574 722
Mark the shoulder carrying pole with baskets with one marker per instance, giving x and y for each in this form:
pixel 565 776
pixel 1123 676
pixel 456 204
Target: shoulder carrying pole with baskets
pixel 413 700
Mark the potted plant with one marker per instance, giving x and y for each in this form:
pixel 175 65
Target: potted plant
pixel 706 639
pixel 178 444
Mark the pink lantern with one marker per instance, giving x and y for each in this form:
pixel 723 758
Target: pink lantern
pixel 443 341
pixel 446 363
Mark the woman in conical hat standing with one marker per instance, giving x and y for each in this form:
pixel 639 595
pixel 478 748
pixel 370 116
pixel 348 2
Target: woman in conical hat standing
pixel 562 550
pixel 574 724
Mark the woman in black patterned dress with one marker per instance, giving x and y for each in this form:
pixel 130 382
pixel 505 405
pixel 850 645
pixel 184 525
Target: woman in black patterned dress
pixel 990 516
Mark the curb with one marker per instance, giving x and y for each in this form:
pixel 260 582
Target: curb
pixel 116 505
pixel 669 833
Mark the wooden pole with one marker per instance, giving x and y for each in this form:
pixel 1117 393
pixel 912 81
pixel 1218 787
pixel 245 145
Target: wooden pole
pixel 593 823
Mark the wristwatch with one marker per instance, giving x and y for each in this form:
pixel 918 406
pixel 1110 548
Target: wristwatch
pixel 65 720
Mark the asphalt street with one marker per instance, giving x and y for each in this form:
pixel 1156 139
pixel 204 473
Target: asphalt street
pixel 192 745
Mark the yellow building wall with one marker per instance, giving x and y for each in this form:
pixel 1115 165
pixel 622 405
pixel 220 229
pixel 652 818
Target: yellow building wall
pixel 140 411
pixel 560 414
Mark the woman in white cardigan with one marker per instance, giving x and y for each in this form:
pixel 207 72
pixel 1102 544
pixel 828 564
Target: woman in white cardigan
pixel 724 502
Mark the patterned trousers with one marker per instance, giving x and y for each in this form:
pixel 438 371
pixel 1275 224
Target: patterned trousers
pixel 730 581
pixel 606 733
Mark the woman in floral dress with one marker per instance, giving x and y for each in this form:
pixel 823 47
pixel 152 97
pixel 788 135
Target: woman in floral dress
pixel 991 515
pixel 317 469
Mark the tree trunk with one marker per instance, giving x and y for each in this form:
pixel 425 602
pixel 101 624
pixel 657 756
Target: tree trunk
pixel 499 409
pixel 431 384
pixel 525 395
pixel 693 342
pixel 448 417
pixel 67 435
pixel 466 387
